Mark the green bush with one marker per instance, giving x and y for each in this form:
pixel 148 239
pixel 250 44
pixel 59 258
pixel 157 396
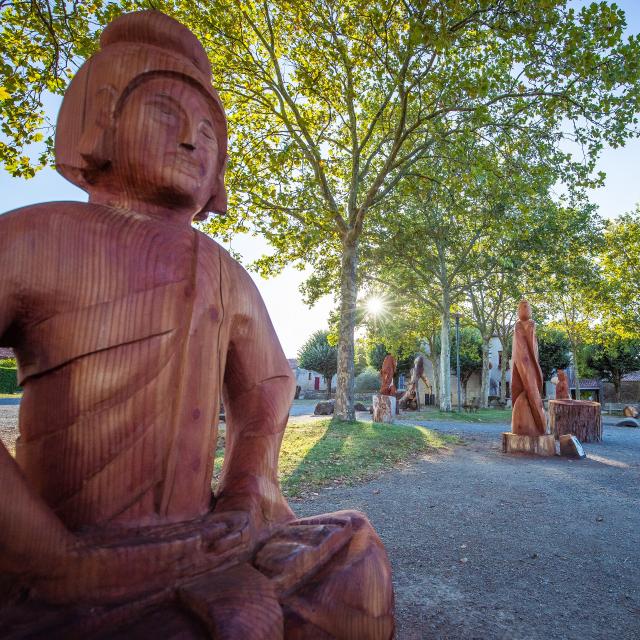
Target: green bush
pixel 368 380
pixel 8 363
pixel 9 380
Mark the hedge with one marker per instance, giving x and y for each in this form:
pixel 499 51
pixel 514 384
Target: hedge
pixel 9 380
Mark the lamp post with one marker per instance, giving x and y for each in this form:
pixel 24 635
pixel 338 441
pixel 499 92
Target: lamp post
pixel 457 317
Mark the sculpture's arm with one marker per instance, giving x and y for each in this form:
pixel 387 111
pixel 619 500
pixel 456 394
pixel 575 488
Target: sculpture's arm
pixel 31 536
pixel 257 391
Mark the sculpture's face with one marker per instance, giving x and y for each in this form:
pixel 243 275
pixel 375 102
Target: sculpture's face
pixel 524 310
pixel 165 149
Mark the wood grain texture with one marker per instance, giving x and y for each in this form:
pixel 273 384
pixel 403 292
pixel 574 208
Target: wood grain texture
pixel 580 418
pixel 129 326
pixel 544 445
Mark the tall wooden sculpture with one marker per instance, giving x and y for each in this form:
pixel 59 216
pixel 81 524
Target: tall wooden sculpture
pixel 529 433
pixel 128 326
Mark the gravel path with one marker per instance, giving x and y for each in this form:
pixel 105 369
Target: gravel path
pixel 8 424
pixel 488 546
pixel 485 545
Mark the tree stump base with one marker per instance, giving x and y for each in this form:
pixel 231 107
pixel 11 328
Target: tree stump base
pixel 384 408
pixel 534 445
pixel 580 418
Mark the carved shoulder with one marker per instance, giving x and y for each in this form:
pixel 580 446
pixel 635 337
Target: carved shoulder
pixel 241 296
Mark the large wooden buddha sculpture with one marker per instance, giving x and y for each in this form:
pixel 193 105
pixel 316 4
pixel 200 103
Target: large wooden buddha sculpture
pixel 128 325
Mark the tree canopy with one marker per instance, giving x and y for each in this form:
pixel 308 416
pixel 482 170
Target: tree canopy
pixel 613 356
pixel 554 349
pixel 333 107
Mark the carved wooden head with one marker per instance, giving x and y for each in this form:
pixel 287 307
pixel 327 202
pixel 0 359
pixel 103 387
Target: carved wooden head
pixel 524 310
pixel 142 115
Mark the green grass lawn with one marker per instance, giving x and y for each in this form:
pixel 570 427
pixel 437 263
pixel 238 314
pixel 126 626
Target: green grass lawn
pixel 482 415
pixel 319 453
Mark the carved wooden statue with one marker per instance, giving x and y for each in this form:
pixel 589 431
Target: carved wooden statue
pixel 528 417
pixel 128 326
pixel 528 420
pixel 562 388
pixel 387 388
pixel 411 398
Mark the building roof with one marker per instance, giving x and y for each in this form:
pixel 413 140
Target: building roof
pixel 588 383
pixel 634 376
pixel 5 352
pixel 293 363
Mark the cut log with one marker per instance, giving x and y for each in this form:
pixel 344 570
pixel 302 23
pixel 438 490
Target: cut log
pixel 580 418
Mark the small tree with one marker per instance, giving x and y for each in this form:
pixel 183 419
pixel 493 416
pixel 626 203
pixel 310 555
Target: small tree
pixel 613 356
pixel 554 348
pixel 318 355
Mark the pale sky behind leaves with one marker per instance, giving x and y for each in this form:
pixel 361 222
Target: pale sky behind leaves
pixel 293 320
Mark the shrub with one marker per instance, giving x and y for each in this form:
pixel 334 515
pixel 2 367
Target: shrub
pixel 9 380
pixel 8 363
pixel 368 380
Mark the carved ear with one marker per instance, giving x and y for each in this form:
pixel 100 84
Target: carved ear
pixel 96 143
pixel 218 201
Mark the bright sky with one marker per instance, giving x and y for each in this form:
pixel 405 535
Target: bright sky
pixel 294 321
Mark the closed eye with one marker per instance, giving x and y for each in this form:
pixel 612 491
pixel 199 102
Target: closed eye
pixel 165 109
pixel 207 130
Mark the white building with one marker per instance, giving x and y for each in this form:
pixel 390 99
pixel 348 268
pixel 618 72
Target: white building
pixel 309 381
pixel 474 384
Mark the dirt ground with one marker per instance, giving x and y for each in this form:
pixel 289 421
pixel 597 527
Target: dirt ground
pixel 488 546
pixel 485 545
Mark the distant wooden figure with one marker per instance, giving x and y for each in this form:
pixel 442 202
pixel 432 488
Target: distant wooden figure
pixel 528 422
pixel 128 325
pixel 562 388
pixel 387 387
pixel 411 399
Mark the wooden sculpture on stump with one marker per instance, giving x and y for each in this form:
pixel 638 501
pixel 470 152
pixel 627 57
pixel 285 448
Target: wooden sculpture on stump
pixel 384 403
pixel 562 387
pixel 529 432
pixel 580 418
pixel 128 325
